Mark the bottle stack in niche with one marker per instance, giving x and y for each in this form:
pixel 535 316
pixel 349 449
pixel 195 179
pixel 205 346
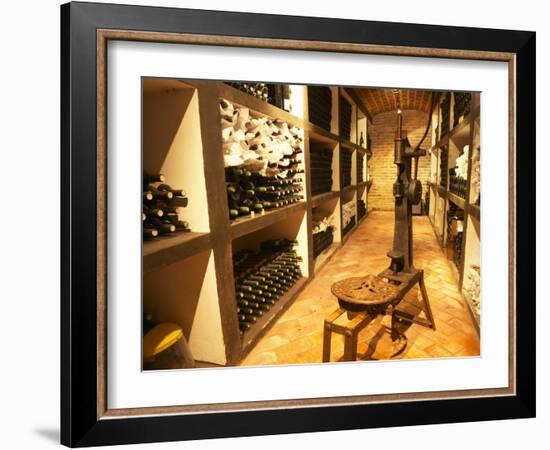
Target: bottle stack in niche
pixel 276 94
pixel 476 181
pixel 323 232
pixel 443 164
pixel 258 90
pixel 345 167
pixel 361 209
pixel 445 115
pixel 457 254
pixel 455 223
pixel 457 185
pixel 458 175
pixel 463 101
pixel 263 159
pixel 250 193
pixel 263 277
pixel 360 167
pixel 472 286
pixel 345 118
pixel 319 100
pixel 161 207
pixel 348 216
pixel 321 168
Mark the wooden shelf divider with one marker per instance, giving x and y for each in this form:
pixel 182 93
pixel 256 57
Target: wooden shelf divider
pixel 246 225
pixel 316 200
pixel 319 134
pixel 475 211
pixel 459 201
pixel 256 105
pixel 166 250
pixel 349 188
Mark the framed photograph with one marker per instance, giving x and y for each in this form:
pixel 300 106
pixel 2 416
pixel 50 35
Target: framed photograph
pixel 337 224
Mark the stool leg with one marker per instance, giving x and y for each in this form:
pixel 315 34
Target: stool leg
pixel 350 346
pixel 426 301
pixel 394 321
pixel 327 336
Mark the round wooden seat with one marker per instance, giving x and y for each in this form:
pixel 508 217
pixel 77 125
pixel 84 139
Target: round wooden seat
pixel 368 293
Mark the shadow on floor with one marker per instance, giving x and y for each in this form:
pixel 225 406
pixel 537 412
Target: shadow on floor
pixel 50 434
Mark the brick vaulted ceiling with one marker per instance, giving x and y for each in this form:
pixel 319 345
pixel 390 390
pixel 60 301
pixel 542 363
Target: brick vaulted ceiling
pixel 381 100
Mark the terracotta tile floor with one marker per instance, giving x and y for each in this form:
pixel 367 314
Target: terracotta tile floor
pixel 297 336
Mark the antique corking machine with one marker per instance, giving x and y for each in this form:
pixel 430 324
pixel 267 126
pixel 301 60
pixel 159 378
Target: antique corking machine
pixel 365 298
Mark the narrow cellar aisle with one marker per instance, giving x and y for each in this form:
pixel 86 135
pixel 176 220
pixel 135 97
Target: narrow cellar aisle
pixel 297 336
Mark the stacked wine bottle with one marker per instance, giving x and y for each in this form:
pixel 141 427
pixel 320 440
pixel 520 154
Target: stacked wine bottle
pixel 349 226
pixel 345 167
pixel 457 185
pixel 427 201
pixel 263 277
pixel 161 207
pixel 360 167
pixel 322 240
pixel 258 90
pixel 345 118
pixel 457 253
pixel 348 216
pixel 443 164
pixel 279 96
pixel 463 101
pixel 320 106
pixel 276 94
pixel 361 208
pixel 455 214
pixel 250 193
pixel 321 168
pixel 445 114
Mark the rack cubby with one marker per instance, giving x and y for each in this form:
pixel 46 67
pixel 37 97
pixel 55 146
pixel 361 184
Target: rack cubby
pixel 330 207
pixel 186 293
pixel 172 145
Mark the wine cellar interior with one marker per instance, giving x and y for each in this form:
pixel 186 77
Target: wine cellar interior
pixel 258 197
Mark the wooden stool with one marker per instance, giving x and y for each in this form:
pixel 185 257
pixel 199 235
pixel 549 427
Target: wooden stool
pixel 362 298
pixel 349 331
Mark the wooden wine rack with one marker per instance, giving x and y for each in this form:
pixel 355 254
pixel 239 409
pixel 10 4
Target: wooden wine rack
pixel 206 308
pixel 465 132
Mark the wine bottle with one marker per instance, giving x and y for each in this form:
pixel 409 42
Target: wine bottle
pixel 163 226
pixel 159 194
pixel 248 318
pixel 181 225
pixel 287 105
pixel 168 209
pixel 168 188
pixel 152 212
pixel 151 178
pixel 244 326
pixel 149 232
pixel 178 201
